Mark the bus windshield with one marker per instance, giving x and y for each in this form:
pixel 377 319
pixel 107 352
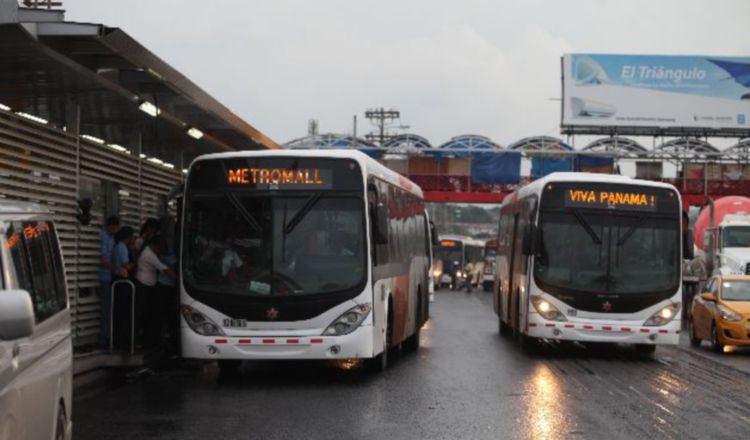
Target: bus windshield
pixel 450 255
pixel 608 239
pixel 261 245
pixel 605 253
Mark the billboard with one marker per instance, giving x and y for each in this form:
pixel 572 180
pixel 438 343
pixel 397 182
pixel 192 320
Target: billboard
pixel 656 93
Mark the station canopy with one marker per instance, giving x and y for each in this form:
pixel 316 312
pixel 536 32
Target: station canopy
pixel 47 66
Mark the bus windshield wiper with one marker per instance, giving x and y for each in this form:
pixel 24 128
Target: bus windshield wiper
pixel 311 201
pixel 621 241
pixel 587 227
pixel 245 214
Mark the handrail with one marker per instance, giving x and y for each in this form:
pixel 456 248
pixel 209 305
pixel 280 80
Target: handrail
pixel 132 314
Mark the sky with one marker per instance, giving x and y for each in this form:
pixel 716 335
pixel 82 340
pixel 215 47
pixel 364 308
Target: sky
pixel 488 67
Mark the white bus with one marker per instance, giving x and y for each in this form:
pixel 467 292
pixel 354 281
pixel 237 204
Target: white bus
pixel 590 257
pixel 452 254
pixel 301 255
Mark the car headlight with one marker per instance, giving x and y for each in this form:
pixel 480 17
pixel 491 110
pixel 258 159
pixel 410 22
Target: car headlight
pixel 199 323
pixel 348 321
pixel 663 316
pixel 437 274
pixel 459 274
pixel 727 314
pixel 546 309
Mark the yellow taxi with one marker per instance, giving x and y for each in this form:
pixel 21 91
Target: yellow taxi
pixel 721 313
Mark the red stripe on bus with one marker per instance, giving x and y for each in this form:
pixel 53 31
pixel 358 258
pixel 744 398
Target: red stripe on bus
pixel 316 341
pixel 220 341
pixel 532 324
pixel 625 329
pixel 645 330
pixel 663 331
pixel 269 341
pixel 570 326
pixel 549 325
pixel 245 341
pixel 588 327
pixel 607 328
pixel 292 341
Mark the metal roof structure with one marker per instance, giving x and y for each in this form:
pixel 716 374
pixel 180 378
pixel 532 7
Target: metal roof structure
pixel 540 143
pixel 617 145
pixel 328 141
pixel 470 142
pixel 50 68
pixel 408 141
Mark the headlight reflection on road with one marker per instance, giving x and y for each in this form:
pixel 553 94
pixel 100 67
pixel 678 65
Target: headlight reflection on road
pixel 547 406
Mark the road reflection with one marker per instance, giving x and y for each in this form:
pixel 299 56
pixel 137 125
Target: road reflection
pixel 546 406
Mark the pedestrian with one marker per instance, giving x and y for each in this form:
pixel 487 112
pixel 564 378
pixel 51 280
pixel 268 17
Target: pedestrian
pixel 124 264
pixel 106 269
pixel 122 260
pixel 169 301
pixel 149 228
pixel 147 300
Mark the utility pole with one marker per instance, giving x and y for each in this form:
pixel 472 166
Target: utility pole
pixel 381 119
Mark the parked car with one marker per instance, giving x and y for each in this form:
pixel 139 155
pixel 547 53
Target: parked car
pixel 721 312
pixel 36 352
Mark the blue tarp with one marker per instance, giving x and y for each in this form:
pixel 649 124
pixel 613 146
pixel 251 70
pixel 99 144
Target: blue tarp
pixel 496 167
pixel 541 166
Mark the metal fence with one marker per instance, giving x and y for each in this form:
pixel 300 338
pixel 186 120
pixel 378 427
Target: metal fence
pixel 47 165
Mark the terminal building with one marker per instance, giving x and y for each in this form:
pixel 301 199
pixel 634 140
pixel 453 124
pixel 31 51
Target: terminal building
pixel 88 113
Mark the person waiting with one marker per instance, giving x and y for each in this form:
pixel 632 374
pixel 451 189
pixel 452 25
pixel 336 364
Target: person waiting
pixel 106 269
pixel 147 299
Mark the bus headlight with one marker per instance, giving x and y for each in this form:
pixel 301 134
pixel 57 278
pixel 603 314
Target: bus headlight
pixel 728 315
pixel 546 309
pixel 348 321
pixel 663 316
pixel 199 323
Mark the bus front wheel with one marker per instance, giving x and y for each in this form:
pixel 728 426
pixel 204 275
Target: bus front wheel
pixel 379 363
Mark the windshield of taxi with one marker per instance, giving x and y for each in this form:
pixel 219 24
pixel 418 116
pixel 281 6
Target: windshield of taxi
pixel 735 290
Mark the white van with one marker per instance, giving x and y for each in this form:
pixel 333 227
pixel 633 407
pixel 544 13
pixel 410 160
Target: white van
pixel 36 352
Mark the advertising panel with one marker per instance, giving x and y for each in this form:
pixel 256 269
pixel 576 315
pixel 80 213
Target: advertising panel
pixel 654 91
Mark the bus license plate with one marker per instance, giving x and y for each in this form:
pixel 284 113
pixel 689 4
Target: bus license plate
pixel 238 323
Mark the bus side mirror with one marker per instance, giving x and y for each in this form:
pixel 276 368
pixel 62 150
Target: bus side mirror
pixel 16 315
pixel 380 225
pixel 434 234
pixel 687 244
pixel 529 241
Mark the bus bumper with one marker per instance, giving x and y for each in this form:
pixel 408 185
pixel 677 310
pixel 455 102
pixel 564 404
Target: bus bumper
pixel 604 332
pixel 358 344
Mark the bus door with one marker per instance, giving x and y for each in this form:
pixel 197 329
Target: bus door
pixel 514 245
pixel 520 264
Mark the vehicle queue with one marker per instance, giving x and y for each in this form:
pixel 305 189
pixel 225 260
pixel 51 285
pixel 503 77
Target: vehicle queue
pixel 329 255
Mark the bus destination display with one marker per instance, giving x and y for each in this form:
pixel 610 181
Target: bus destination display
pixel 610 199
pixel 281 178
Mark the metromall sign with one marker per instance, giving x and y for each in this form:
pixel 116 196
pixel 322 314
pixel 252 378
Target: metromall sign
pixel 692 92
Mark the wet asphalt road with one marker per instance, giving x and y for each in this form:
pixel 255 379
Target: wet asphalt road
pixel 466 382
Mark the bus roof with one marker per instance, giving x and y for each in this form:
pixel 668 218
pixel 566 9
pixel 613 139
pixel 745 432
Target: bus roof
pixel 8 206
pixel 536 186
pixel 370 166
